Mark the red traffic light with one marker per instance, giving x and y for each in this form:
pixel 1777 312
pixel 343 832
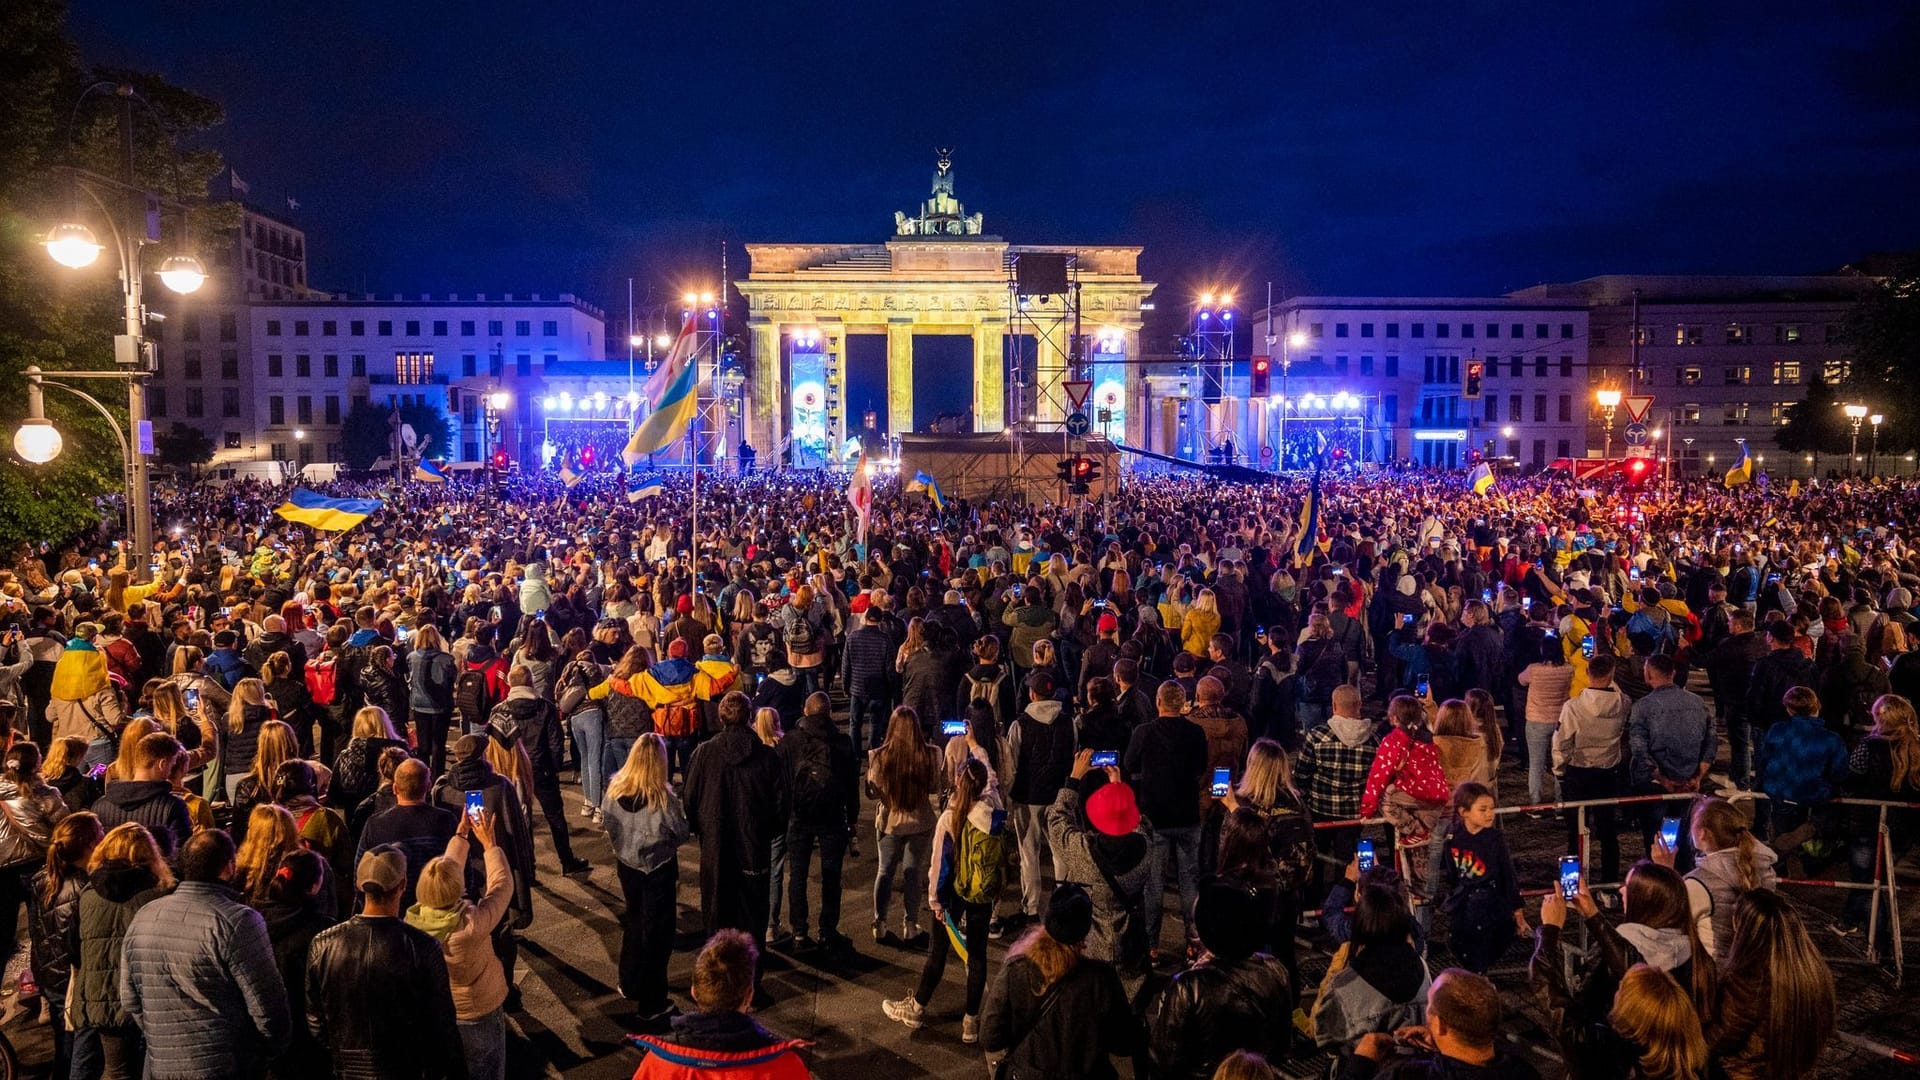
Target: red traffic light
pixel 1261 365
pixel 1082 467
pixel 1639 465
pixel 500 459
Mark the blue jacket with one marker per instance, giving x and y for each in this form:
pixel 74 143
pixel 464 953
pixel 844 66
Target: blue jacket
pixel 228 666
pixel 1801 761
pixel 1670 732
pixel 364 637
pixel 197 974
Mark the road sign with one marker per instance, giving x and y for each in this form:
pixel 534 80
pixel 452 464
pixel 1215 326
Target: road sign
pixel 1636 434
pixel 1077 423
pixel 1077 391
pixel 1637 406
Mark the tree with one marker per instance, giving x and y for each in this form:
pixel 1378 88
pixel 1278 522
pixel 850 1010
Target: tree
pixel 1883 343
pixel 59 319
pixel 1815 424
pixel 365 434
pixel 183 447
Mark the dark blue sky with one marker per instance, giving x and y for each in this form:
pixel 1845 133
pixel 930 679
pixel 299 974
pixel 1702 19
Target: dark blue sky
pixel 1340 148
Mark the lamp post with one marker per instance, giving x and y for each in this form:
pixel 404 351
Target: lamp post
pixel 73 245
pixel 1609 400
pixel 1855 414
pixel 497 402
pixel 1873 454
pixel 1688 442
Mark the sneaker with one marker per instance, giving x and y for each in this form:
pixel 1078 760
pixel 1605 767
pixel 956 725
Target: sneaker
pixel 997 928
pixel 835 941
pixel 587 810
pixel 576 867
pixel 906 1011
pixel 970 1029
pixel 880 932
pixel 915 938
pixel 803 943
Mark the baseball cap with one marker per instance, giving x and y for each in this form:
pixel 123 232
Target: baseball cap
pixel 384 868
pixel 1107 624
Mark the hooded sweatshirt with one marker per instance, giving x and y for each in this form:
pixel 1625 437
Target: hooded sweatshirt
pixel 1333 765
pixel 1592 732
pixel 1039 754
pixel 465 934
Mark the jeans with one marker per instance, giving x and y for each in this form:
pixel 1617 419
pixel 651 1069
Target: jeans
pixel 1307 715
pixel 430 738
pixel 908 856
pixel 589 744
pixel 801 842
pixel 614 755
pixel 680 754
pixel 1182 844
pixel 546 792
pixel 646 941
pixel 1030 833
pixel 776 880
pixel 972 919
pixel 1741 737
pixel 108 1054
pixel 1540 783
pixel 485 1044
pixel 871 713
pixel 1580 784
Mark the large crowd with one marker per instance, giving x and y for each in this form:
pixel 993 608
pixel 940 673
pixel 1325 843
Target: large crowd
pixel 271 812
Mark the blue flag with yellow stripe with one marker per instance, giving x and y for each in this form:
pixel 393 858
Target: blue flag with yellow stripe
pixel 304 507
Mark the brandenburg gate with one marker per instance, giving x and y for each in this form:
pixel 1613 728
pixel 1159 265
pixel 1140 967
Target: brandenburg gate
pixel 937 274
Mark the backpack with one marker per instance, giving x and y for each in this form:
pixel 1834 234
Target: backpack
pixel 801 635
pixel 472 697
pixel 980 870
pixel 1290 838
pixel 812 776
pixel 677 720
pixel 978 689
pixel 322 680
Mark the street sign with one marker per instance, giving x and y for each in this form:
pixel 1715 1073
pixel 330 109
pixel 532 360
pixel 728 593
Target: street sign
pixel 1077 391
pixel 1637 406
pixel 1639 451
pixel 1636 434
pixel 1077 423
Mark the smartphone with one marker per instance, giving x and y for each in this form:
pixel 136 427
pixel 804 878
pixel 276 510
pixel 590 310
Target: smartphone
pixel 953 727
pixel 1569 877
pixel 1260 633
pixel 1633 573
pixel 1586 646
pixel 193 698
pixel 1406 620
pixel 1105 758
pixel 1222 780
pixel 1486 596
pixel 225 612
pixel 1526 603
pixel 1363 856
pixel 1339 571
pixel 1421 687
pixel 476 804
pixel 1670 833
pixel 1773 579
pixel 97 772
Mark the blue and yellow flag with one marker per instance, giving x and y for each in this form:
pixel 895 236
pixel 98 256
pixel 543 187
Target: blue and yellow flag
pixel 306 507
pixel 1481 478
pixel 1310 519
pixel 430 473
pixel 1742 471
pixel 671 393
pixel 644 486
pixel 567 475
pixel 923 481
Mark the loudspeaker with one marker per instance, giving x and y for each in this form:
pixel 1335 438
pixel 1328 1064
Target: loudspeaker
pixel 1041 273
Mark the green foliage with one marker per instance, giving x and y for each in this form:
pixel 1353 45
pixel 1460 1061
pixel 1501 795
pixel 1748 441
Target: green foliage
pixel 365 434
pixel 49 315
pixel 183 447
pixel 1883 342
pixel 1815 425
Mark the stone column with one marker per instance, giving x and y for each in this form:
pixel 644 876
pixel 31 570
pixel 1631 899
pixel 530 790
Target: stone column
pixel 1134 432
pixel 1049 369
pixel 990 375
pixel 899 376
pixel 766 421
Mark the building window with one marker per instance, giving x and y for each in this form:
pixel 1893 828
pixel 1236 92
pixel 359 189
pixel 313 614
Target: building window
pixel 1564 448
pixel 1390 408
pixel 232 440
pixel 276 366
pixel 304 409
pixel 1778 415
pixel 329 328
pixel 1316 331
pixel 1597 336
pixel 276 410
pixel 1466 329
pixel 1493 408
pixel 1539 367
pixel 229 365
pixel 1687 376
pixel 1539 452
pixel 1339 364
pixel 1539 408
pixel 273 327
pixel 550 328
pixel 1366 329
pixel 229 327
pixel 386 327
pixel 1427 371
pixel 1517 330
pixel 359 370
pixel 1366 366
pixel 1733 412
pixel 439 328
pixel 1689 415
pixel 1566 408
pixel 1441 330
pixel 1418 330
pixel 333 410
pixel 1540 330
pixel 157 402
pixel 1493 330
pixel 1393 367
pixel 1786 373
pixel 413 327
pixel 1687 335
pixel 466 327
pixel 1393 329
pixel 493 327
pixel 279 451
pixel 523 365
pixel 300 328
pixel 192 366
pixel 229 401
pixel 1739 374
pixel 1786 334
pixel 1834 371
pixel 330 366
pixel 1566 331
pixel 412 368
pixel 522 328
pixel 468 365
pixel 1339 329
pixel 303 366
pixel 357 327
pixel 1513 407
pixel 1566 367
pixel 1515 367
pixel 1737 334
pixel 196 402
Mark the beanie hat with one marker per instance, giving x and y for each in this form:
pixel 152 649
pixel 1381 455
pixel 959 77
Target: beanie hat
pixel 677 649
pixel 1108 624
pixel 1228 919
pixel 1069 914
pixel 684 605
pixel 1112 810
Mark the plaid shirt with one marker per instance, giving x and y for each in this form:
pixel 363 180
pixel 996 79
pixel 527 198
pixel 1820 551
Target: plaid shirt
pixel 1333 774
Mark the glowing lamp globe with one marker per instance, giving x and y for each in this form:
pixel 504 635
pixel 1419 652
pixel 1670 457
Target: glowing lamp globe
pixel 499 400
pixel 73 245
pixel 182 273
pixel 37 441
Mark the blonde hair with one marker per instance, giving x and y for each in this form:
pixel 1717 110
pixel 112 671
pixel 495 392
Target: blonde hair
pixel 1723 825
pixel 137 729
pixel 442 884
pixel 1268 776
pixel 1206 602
pixel 644 773
pixel 271 835
pixel 1652 1012
pixel 130 842
pixel 246 692
pixel 1896 724
pixel 372 722
pixel 511 761
pixel 67 752
pixel 169 706
pixel 766 724
pixel 427 637
pixel 276 746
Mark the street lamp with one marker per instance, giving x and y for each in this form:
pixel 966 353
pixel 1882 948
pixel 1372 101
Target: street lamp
pixel 1873 455
pixel 1855 414
pixel 1609 400
pixel 37 442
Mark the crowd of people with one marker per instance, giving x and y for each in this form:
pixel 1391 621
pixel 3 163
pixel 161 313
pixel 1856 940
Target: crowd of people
pixel 272 810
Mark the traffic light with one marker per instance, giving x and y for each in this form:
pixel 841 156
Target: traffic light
pixel 1085 472
pixel 1065 468
pixel 1470 380
pixel 500 461
pixel 1260 377
pixel 1638 470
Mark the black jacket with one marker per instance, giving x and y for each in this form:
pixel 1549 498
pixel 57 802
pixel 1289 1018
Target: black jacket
pixel 50 928
pixel 813 743
pixel 1773 675
pixel 421 831
pixel 1165 761
pixel 266 645
pixel 385 688
pixel 866 664
pixel 1072 1031
pixel 1212 1009
pixel 1102 728
pixel 115 893
pixel 736 803
pixel 379 1000
pixel 291 928
pixel 510 822
pixel 1729 666
pixel 536 723
pixel 1431 1066
pixel 151 803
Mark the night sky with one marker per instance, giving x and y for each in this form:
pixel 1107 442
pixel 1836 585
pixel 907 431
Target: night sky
pixel 1329 148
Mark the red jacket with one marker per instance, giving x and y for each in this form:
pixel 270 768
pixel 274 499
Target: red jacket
pixel 672 1061
pixel 1413 767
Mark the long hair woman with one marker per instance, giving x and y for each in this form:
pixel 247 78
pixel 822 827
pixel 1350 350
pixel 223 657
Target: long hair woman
pixel 121 768
pixel 1053 1011
pixel 1885 765
pixel 903 775
pixel 124 872
pixel 646 825
pixel 974 816
pixel 1654 1017
pixel 247 713
pixel 1729 862
pixel 271 835
pixel 53 903
pixel 274 745
pixel 356 771
pixel 1776 1004
pixel 1266 788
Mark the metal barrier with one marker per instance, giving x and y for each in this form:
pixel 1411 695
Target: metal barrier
pixel 1883 880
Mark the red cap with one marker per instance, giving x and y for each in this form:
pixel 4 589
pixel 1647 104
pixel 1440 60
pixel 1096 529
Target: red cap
pixel 1112 810
pixel 677 648
pixel 684 605
pixel 1107 624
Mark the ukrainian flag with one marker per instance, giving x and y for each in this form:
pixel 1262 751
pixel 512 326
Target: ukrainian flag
pixel 1481 478
pixel 1310 519
pixel 1742 471
pixel 922 481
pixel 306 507
pixel 430 473
pixel 671 399
pixel 644 486
pixel 567 475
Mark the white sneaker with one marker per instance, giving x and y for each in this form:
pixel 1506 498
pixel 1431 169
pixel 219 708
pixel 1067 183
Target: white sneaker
pixel 906 1011
pixel 970 1029
pixel 587 810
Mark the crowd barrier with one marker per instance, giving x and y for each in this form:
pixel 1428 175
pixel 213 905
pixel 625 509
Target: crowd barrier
pixel 1884 884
